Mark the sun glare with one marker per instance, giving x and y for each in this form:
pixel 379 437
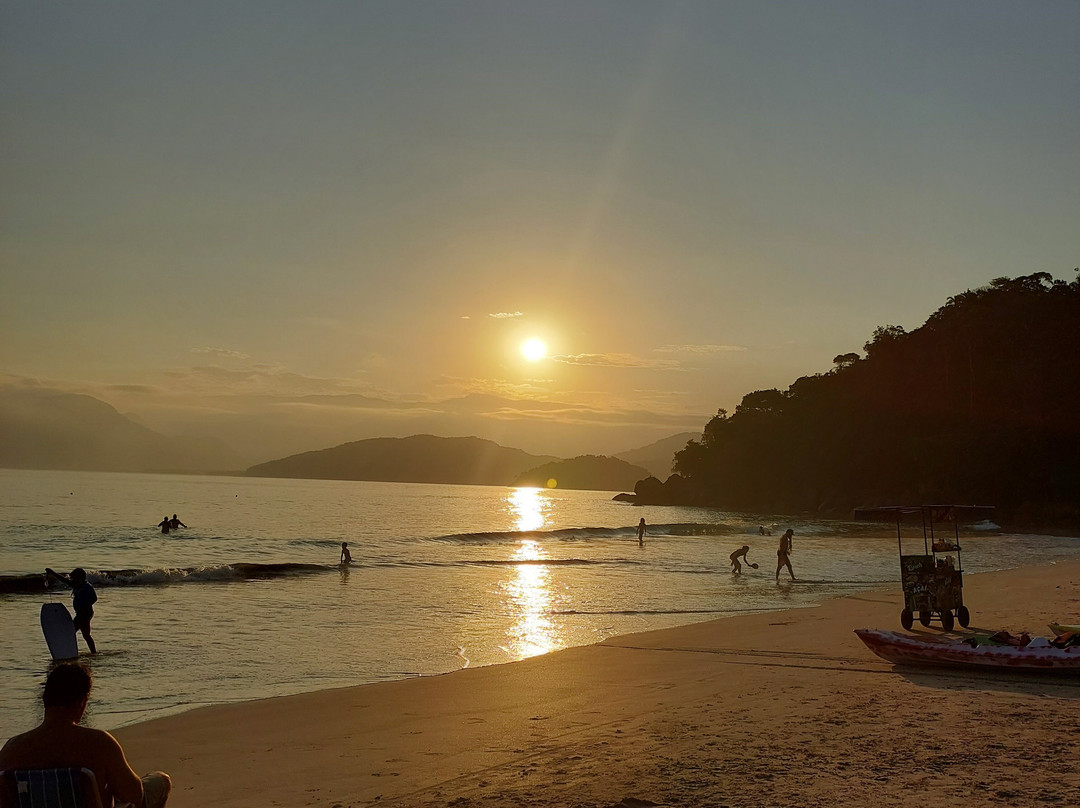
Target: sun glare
pixel 533 350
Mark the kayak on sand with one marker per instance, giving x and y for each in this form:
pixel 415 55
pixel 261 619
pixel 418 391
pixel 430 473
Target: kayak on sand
pixel 904 649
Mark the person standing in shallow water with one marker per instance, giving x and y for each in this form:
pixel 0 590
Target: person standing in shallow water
pixel 164 524
pixel 641 532
pixel 83 598
pixel 175 523
pixel 783 554
pixel 736 567
pixel 346 556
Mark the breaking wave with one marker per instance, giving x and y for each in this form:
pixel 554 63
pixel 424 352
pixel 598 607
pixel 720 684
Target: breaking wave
pixel 37 583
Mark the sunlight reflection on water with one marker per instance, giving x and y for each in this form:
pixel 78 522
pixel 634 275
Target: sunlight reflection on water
pixel 529 507
pixel 532 633
pixel 529 590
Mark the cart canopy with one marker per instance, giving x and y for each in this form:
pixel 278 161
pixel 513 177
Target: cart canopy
pixel 928 513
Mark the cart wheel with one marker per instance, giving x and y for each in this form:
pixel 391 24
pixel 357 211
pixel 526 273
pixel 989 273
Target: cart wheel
pixel 963 616
pixel 906 619
pixel 947 620
pixel 924 617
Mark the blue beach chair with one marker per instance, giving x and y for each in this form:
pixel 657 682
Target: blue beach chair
pixel 49 788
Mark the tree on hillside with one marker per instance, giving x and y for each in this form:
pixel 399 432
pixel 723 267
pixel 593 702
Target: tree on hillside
pixel 843 361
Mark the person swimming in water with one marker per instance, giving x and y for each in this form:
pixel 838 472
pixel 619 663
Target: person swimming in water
pixel 783 555
pixel 346 556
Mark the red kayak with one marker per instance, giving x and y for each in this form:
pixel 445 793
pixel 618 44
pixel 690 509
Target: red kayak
pixel 903 649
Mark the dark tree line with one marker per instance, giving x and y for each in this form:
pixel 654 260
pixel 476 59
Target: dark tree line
pixel 977 406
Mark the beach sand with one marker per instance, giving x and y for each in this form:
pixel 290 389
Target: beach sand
pixel 773 709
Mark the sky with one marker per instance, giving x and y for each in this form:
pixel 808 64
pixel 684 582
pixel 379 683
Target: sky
pixel 338 220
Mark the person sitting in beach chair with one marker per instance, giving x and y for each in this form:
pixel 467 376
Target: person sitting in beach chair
pixel 61 743
pixel 49 788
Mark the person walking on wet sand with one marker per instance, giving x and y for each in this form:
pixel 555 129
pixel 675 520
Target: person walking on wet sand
pixel 641 532
pixel 83 598
pixel 783 555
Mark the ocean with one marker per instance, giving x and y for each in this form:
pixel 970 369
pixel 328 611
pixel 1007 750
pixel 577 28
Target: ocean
pixel 249 600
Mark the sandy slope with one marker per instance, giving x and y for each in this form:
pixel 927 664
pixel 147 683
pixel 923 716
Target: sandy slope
pixel 776 709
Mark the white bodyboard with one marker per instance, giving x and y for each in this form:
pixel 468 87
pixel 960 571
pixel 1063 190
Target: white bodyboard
pixel 59 631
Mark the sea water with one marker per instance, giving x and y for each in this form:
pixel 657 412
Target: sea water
pixel 248 601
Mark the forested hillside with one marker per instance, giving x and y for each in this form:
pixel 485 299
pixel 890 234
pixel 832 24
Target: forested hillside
pixel 978 405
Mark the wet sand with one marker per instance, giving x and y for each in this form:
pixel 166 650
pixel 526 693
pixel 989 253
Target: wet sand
pixel 773 709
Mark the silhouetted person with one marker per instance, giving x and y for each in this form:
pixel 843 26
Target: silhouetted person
pixel 83 598
pixel 164 524
pixel 736 567
pixel 59 742
pixel 641 532
pixel 783 554
pixel 174 523
pixel 346 556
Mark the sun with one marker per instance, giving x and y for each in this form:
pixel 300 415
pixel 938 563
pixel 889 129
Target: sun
pixel 533 350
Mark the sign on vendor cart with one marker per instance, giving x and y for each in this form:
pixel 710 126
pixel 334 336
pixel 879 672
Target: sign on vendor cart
pixel 933 582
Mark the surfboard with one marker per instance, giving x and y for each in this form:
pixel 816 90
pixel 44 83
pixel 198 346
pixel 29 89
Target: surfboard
pixel 59 631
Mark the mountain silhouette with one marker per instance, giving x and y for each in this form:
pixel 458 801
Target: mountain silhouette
pixel 587 472
pixel 658 457
pixel 418 459
pixel 47 429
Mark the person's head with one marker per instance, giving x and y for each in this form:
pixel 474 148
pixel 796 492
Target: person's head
pixel 78 576
pixel 746 547
pixel 344 545
pixel 67 687
pixel 174 516
pixel 642 521
pixel 789 533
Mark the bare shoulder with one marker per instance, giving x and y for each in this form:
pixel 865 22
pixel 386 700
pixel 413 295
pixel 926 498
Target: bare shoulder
pixel 97 739
pixel 9 755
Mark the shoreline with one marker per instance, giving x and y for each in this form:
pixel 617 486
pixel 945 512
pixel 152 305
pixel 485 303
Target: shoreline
pixel 779 707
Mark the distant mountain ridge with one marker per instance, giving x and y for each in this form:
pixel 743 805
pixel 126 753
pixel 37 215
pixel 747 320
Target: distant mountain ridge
pixel 659 456
pixel 419 459
pixel 586 472
pixel 47 429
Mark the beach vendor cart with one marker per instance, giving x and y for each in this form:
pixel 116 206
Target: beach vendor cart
pixel 933 582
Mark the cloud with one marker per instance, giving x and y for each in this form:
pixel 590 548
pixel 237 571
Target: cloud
pixel 133 389
pixel 224 353
pixel 26 382
pixel 258 379
pixel 699 349
pixel 505 315
pixel 585 416
pixel 617 360
pixel 374 360
pixel 499 387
